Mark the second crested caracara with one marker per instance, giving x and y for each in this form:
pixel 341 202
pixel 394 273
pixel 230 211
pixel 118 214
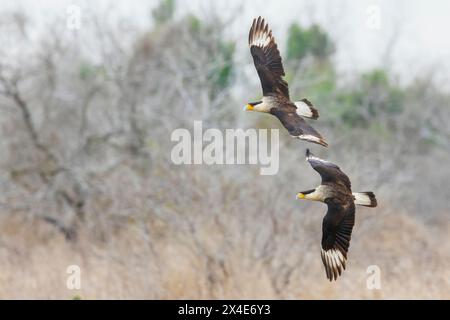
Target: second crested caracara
pixel 276 101
pixel 335 191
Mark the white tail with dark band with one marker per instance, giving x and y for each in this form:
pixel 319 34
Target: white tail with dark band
pixel 366 199
pixel 306 109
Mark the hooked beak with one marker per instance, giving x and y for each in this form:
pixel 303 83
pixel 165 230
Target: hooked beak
pixel 300 196
pixel 248 107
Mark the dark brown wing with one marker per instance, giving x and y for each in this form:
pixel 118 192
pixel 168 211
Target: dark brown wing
pixel 329 172
pixel 337 228
pixel 297 126
pixel 267 59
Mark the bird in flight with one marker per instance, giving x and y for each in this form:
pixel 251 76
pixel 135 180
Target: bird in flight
pixel 276 101
pixel 335 191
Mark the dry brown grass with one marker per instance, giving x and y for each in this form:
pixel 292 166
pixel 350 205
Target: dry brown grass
pixel 86 129
pixel 35 258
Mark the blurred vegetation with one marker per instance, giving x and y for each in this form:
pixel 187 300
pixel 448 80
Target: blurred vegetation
pixel 310 41
pixel 85 164
pixel 372 101
pixel 164 11
pixel 222 74
pixel 220 66
pixel 375 98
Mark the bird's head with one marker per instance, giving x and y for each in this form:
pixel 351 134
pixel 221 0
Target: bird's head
pixel 300 195
pixel 254 106
pixel 307 195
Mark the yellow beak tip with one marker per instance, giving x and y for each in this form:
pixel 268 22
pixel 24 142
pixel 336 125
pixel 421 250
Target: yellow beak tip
pixel 248 107
pixel 300 196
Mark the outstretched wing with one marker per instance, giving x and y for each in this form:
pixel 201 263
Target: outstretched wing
pixel 267 59
pixel 337 228
pixel 329 172
pixel 297 126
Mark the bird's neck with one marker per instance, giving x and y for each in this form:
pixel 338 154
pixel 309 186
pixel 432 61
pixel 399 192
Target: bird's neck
pixel 319 194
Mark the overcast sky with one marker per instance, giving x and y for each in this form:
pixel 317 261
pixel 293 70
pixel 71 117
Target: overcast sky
pixel 419 29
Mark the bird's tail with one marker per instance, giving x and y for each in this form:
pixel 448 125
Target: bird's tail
pixel 306 109
pixel 366 199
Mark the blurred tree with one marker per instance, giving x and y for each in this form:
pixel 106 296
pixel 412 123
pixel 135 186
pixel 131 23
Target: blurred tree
pixel 374 99
pixel 221 55
pixel 297 45
pixel 308 53
pixel 313 40
pixel 85 129
pixel 164 11
pixel 384 96
pixel 88 71
pixel 194 23
pixel 375 79
pixel 320 44
pixel 222 73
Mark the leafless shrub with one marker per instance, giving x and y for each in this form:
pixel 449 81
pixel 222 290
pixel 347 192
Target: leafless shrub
pixel 86 122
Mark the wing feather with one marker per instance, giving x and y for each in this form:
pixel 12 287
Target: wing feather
pixel 329 172
pixel 267 59
pixel 337 229
pixel 297 126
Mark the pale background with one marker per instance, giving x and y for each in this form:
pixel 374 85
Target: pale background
pixel 86 177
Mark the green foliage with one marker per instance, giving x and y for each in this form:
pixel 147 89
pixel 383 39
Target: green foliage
pixel 375 78
pixel 361 106
pixel 220 52
pixel 377 83
pixel 222 74
pixel 319 74
pixel 88 71
pixel 324 77
pixel 85 71
pixel 164 11
pixel 320 44
pixel 375 97
pixel 313 40
pixel 194 23
pixel 396 101
pixel 348 110
pixel 297 43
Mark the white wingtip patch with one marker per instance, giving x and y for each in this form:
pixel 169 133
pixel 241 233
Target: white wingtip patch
pixel 310 156
pixel 261 38
pixel 311 138
pixel 334 262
